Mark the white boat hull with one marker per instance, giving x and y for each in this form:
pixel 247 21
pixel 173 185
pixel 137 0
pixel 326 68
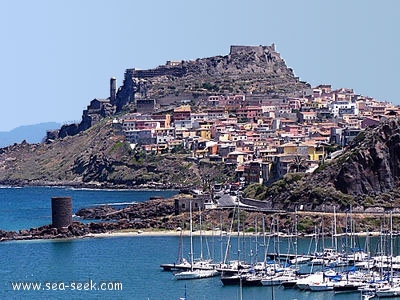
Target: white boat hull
pixel 196 274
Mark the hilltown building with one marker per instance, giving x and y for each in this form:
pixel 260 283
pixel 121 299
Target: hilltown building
pixel 265 138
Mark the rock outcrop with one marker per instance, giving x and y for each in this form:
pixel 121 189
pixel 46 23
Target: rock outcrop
pixel 247 69
pixel 160 214
pixel 365 175
pixel 371 165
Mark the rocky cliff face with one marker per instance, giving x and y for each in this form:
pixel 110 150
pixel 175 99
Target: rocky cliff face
pixel 366 175
pixel 247 69
pixel 371 165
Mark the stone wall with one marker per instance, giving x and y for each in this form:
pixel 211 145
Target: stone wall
pixel 237 49
pixel 183 204
pixel 177 71
pixel 262 205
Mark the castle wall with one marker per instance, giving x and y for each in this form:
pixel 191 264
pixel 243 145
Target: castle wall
pixel 237 49
pixel 145 105
pixel 177 71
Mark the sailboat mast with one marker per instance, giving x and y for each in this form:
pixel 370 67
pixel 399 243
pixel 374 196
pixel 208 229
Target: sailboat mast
pixel 323 231
pixel 238 233
pixel 229 239
pixel 334 228
pixel 391 247
pixel 296 237
pixel 191 235
pixel 256 241
pixel 351 228
pixel 277 230
pixel 220 236
pixel 347 232
pixel 201 237
pixel 264 240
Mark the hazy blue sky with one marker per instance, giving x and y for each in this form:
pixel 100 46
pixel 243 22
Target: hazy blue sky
pixel 58 55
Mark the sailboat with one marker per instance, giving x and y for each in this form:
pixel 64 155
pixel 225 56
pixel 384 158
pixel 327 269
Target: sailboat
pixel 234 272
pixel 181 263
pixel 284 274
pixel 194 273
pixel 392 289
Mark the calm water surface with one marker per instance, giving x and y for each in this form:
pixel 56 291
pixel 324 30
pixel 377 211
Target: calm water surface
pixel 133 261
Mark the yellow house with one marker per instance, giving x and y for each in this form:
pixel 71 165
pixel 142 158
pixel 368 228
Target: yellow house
pixel 225 137
pixel 205 130
pixel 310 149
pixel 289 148
pixel 316 151
pixel 204 133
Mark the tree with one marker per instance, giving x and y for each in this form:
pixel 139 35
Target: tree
pixel 299 164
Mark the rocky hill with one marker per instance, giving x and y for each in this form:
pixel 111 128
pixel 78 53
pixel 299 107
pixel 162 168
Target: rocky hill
pixel 93 152
pixel 99 157
pixel 247 69
pixel 250 70
pixel 365 176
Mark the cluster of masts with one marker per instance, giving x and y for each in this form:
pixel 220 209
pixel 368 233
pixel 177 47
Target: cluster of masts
pixel 355 272
pixel 327 270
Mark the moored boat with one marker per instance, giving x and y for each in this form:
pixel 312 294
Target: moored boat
pixel 388 291
pixel 347 286
pixel 231 279
pixel 196 274
pixel 303 283
pixel 321 286
pixel 289 284
pixel 251 280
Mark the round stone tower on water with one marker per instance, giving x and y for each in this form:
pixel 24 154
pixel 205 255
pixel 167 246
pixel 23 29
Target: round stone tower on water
pixel 61 211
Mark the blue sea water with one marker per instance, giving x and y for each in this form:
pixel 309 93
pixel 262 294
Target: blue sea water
pixel 27 207
pixel 132 263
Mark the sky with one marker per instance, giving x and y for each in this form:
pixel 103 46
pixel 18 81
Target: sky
pixel 57 56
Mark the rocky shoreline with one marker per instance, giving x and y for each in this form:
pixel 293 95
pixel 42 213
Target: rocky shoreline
pixel 158 215
pixel 112 220
pixel 89 185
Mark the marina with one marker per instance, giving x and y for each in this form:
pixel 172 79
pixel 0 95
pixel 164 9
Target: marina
pixel 346 267
pixel 377 278
pixel 135 258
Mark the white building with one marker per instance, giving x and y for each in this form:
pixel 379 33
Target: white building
pixel 340 108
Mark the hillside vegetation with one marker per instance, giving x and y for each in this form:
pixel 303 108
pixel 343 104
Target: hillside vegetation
pixel 100 157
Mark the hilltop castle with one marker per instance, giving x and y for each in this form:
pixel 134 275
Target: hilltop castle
pixel 255 70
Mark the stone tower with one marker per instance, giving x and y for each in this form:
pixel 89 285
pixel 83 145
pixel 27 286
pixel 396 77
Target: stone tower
pixel 61 211
pixel 113 89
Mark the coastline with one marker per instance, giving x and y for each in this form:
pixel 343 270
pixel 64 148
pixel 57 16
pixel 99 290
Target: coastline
pixel 158 217
pixel 186 233
pixel 90 185
pixel 115 233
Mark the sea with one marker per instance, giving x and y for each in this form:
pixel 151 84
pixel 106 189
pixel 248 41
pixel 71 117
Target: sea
pixel 126 267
